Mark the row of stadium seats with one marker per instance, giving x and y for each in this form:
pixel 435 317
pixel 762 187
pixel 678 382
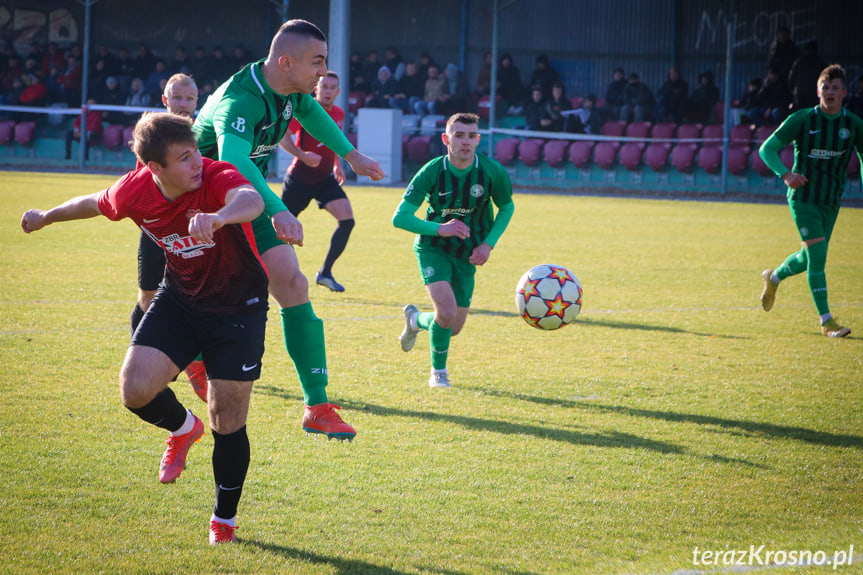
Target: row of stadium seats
pixel 22 133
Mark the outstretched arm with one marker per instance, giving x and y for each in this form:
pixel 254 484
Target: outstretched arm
pixel 78 208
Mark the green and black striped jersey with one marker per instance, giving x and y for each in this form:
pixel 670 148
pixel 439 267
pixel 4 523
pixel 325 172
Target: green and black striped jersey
pixel 823 146
pixel 246 106
pixel 459 194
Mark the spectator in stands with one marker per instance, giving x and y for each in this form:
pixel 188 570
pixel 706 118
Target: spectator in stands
pixel 93 132
pixel 394 61
pixel 585 120
pixel 109 63
pixel 53 57
pixel 70 80
pixel 535 113
pixel 457 95
pixel 138 98
pixel 509 85
pixel 111 95
pixel 773 101
pixel 556 106
pixel 410 89
pixel 435 85
pixel 153 84
pixel 13 96
pixel 638 101
pixel 180 63
pixel 426 61
pixel 97 75
pixel 241 57
pixel 671 98
pixel 614 95
pixel 483 79
pixel 746 102
pixel 55 93
pixel 703 98
pixel 544 76
pixel 221 67
pixel 125 66
pixel 384 88
pixel 783 52
pixel 12 71
pixel 371 67
pixel 199 65
pixel 803 77
pixel 144 62
pixel 855 98
pixel 356 74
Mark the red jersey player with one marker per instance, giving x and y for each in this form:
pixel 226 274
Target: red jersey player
pixel 317 174
pixel 213 300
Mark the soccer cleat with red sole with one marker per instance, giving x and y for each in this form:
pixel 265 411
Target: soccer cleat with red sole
pixel 197 374
pixel 174 459
pixel 323 419
pixel 221 533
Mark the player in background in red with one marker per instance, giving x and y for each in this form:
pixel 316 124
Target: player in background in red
pixel 212 301
pixel 316 173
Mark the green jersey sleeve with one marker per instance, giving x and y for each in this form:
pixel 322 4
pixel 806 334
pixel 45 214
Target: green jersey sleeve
pixel 780 138
pixel 235 150
pixel 416 192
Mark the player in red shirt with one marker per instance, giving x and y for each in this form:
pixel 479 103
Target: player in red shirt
pixel 317 174
pixel 213 300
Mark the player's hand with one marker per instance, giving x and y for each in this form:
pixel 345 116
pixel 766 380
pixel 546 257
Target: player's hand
pixel 454 229
pixel 288 228
pixel 310 159
pixel 33 220
pixel 794 181
pixel 363 165
pixel 203 227
pixel 339 173
pixel 480 254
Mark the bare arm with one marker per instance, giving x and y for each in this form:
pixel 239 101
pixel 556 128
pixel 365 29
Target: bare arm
pixel 78 208
pixel 242 204
pixel 308 158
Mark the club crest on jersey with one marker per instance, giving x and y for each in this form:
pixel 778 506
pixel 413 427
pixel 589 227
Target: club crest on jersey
pixel 477 190
pixel 239 125
pixel 288 112
pixel 844 134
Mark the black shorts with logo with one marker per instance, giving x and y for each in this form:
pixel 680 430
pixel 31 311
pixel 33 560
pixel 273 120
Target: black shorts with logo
pixel 297 195
pixel 231 346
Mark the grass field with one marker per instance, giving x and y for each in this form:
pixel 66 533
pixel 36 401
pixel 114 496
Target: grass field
pixel 673 417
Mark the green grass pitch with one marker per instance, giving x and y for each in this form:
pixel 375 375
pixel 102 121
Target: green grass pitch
pixel 675 416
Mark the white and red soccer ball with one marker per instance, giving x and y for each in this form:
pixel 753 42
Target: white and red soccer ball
pixel 548 297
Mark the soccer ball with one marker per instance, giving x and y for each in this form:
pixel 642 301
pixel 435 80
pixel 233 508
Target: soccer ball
pixel 548 297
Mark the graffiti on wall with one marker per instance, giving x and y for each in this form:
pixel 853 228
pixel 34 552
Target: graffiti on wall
pixel 757 30
pixel 21 27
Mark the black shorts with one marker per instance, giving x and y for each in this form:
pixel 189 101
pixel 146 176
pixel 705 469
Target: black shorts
pixel 231 346
pixel 297 195
pixel 151 264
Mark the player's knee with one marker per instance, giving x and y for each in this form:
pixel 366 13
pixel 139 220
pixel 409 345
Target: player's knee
pixel 347 224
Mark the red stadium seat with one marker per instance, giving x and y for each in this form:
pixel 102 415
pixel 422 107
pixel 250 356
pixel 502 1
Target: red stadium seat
pixel 738 158
pixel 554 152
pixel 112 137
pixel 741 135
pixel 762 133
pixel 24 132
pixel 127 136
pixel 576 102
pixel 631 154
pixel 656 156
pixel 505 150
pixel 580 152
pixel 7 129
pixel 484 107
pixel 713 132
pixel 663 130
pixel 613 128
pixel 638 130
pixel 710 158
pixel 718 113
pixel 758 164
pixel 601 102
pixel 853 166
pixel 787 156
pixel 419 149
pixel 405 139
pixel 353 138
pixel 530 151
pixel 683 157
pixel 605 154
pixel 355 101
pixel 689 131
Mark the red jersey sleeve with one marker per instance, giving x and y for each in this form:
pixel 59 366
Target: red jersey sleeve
pixel 114 200
pixel 219 178
pixel 294 126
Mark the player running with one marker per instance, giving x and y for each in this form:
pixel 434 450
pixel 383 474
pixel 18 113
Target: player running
pixel 315 174
pixel 212 301
pixel 824 138
pixel 242 123
pixel 457 234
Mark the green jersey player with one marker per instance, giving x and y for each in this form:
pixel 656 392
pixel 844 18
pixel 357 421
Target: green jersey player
pixel 824 138
pixel 242 123
pixel 458 233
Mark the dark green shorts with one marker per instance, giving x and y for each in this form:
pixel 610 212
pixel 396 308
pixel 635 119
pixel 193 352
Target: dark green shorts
pixel 437 265
pixel 814 221
pixel 265 234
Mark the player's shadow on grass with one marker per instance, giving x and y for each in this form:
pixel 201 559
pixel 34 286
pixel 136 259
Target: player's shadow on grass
pixel 751 427
pixel 648 327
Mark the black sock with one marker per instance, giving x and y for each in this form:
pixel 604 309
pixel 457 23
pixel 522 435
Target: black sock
pixel 337 245
pixel 163 411
pixel 135 318
pixel 231 455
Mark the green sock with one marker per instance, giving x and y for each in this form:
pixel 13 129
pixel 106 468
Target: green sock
pixel 817 254
pixel 425 320
pixel 794 264
pixel 439 343
pixel 304 339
